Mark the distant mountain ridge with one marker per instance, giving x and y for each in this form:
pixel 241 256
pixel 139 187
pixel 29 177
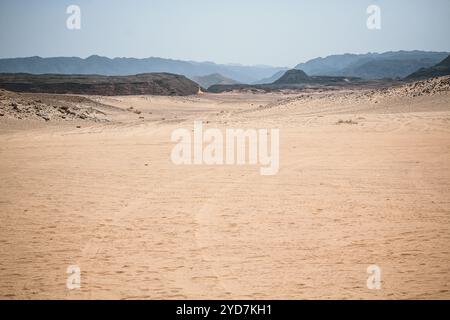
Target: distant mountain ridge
pixel 439 70
pixel 131 66
pixel 299 77
pixel 397 64
pixel 366 66
pixel 271 79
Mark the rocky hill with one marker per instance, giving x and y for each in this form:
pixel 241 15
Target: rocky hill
pixel 292 80
pixel 441 69
pixel 149 83
pixel 419 88
pixel 48 107
pixel 293 76
pixel 299 77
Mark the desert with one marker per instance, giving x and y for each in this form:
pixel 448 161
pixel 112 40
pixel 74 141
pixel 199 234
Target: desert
pixel 364 179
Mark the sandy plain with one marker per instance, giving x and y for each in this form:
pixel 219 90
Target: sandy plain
pixel 364 179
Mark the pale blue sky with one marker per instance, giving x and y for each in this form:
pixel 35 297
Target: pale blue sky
pixel 281 32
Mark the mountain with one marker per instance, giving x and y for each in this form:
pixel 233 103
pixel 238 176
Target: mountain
pixel 372 65
pixel 212 79
pixel 330 64
pixel 291 80
pixel 130 66
pixel 441 69
pixel 148 83
pixel 271 79
pixel 293 76
pixel 299 77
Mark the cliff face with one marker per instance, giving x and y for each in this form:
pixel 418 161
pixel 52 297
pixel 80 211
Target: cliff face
pixel 148 83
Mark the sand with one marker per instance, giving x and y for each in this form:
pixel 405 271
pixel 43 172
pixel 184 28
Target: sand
pixel 364 179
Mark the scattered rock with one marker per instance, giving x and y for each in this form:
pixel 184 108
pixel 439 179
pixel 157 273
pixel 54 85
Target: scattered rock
pixel 44 116
pixel 346 122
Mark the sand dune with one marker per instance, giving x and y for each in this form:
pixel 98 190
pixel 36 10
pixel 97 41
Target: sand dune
pixel 364 179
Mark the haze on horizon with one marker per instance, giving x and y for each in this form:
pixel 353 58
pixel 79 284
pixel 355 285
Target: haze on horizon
pixel 279 33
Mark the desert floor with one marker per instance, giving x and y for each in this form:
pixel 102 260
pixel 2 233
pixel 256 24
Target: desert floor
pixel 349 194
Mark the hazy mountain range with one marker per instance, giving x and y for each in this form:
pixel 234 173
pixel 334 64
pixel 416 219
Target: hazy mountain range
pixel 130 66
pixel 271 79
pixel 366 66
pixel 174 84
pixel 373 65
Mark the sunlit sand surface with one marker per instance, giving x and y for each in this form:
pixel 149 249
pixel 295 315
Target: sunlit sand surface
pixel 363 180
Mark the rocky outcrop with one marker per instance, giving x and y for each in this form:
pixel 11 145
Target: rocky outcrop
pixel 46 107
pixel 141 84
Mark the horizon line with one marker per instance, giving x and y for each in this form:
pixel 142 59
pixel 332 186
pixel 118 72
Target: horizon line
pixel 216 63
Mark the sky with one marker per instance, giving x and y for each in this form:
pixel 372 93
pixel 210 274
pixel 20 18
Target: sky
pixel 250 32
